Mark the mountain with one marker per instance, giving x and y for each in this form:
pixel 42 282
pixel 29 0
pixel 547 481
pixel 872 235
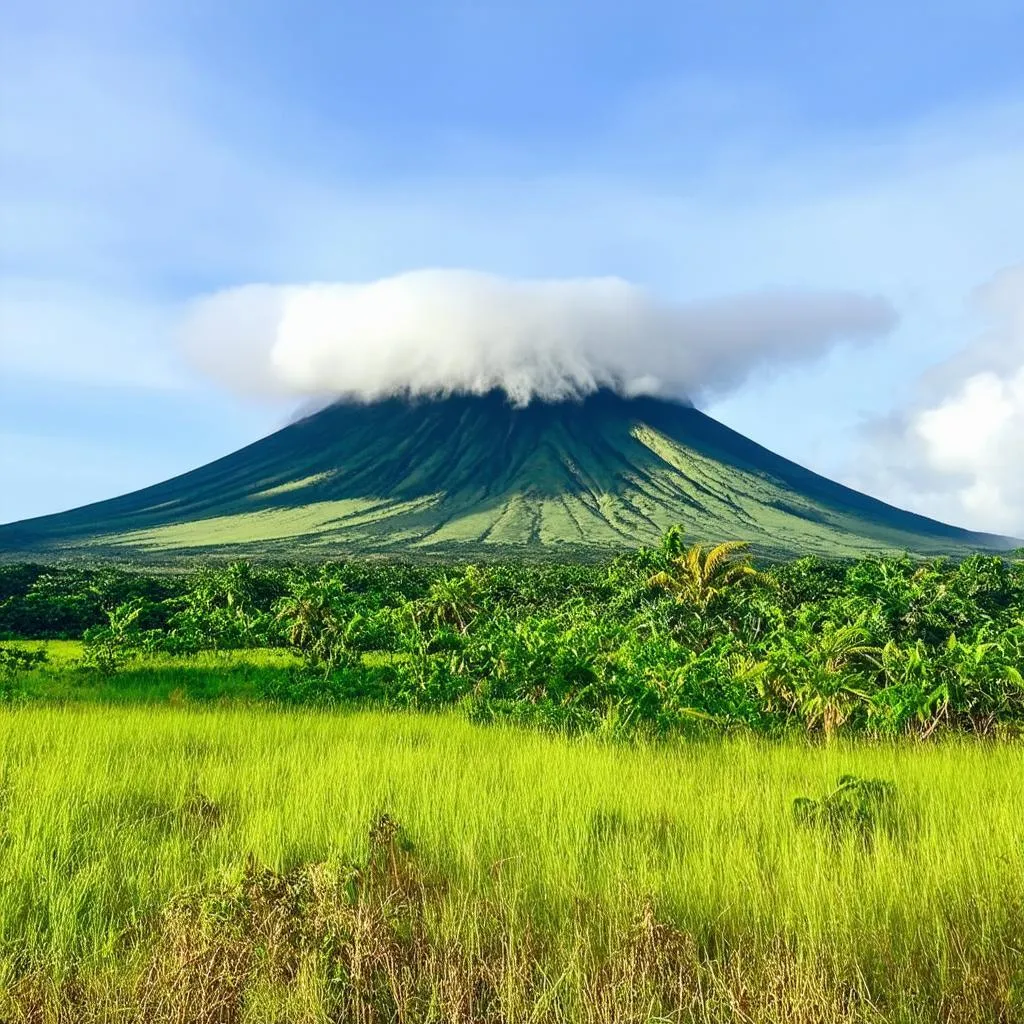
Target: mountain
pixel 475 476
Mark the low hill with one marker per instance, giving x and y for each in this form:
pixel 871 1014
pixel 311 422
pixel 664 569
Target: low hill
pixel 474 476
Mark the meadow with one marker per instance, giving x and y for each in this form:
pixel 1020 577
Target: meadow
pixel 252 864
pixel 675 787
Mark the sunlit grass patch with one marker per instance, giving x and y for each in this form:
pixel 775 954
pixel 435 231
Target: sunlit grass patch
pixel 58 652
pixel 152 854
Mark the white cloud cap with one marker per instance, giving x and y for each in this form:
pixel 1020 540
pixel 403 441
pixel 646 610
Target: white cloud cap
pixel 440 331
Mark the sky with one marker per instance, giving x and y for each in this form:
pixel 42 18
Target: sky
pixel 159 157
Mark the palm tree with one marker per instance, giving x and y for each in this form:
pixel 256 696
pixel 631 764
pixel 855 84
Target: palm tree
pixel 453 601
pixel 838 646
pixel 829 695
pixel 313 617
pixel 698 578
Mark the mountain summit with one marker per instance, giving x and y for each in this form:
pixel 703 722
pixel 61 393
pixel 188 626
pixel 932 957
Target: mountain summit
pixel 473 475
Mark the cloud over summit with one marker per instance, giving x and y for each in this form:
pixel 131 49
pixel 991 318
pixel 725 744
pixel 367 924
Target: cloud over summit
pixel 443 331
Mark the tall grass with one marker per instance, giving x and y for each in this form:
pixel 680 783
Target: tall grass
pixel 174 864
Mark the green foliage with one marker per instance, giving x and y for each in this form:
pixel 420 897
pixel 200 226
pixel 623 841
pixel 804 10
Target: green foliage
pixel 856 807
pixel 668 639
pixel 700 578
pixel 305 686
pixel 108 647
pixel 14 661
pixel 19 659
pixel 316 619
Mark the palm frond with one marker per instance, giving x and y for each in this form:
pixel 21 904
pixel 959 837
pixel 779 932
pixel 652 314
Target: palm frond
pixel 719 556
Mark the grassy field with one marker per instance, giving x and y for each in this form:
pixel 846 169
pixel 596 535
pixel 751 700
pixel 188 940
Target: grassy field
pixel 209 676
pixel 243 864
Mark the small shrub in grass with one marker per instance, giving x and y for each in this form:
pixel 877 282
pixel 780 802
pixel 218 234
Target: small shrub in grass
pixel 390 846
pixel 361 925
pixel 19 659
pixel 14 661
pixel 309 686
pixel 856 807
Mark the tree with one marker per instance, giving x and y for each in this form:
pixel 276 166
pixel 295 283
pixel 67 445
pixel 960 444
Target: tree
pixel 698 578
pixel 453 601
pixel 820 673
pixel 316 620
pixel 107 647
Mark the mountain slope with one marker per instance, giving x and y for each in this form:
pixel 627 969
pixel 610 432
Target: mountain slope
pixel 472 475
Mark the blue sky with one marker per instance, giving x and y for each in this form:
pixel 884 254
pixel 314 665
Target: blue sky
pixel 154 153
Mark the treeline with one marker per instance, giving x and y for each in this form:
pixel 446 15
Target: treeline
pixel 674 638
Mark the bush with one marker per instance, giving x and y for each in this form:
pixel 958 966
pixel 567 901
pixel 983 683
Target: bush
pixel 14 662
pixel 856 807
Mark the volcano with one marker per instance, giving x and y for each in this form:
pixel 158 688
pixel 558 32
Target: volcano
pixel 474 476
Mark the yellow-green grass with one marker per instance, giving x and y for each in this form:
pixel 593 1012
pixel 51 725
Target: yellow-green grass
pixel 293 485
pixel 238 675
pixel 59 653
pixel 69 653
pixel 550 880
pixel 270 524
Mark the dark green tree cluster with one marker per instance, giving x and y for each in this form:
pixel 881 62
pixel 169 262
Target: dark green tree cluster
pixel 681 637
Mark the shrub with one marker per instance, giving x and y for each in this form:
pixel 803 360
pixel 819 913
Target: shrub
pixel 856 807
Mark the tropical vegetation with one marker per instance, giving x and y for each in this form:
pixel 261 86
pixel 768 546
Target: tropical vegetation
pixel 678 786
pixel 678 638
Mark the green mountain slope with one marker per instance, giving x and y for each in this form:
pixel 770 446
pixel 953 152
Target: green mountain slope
pixel 473 476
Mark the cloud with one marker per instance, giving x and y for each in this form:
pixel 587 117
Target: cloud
pixel 439 331
pixel 135 173
pixel 958 451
